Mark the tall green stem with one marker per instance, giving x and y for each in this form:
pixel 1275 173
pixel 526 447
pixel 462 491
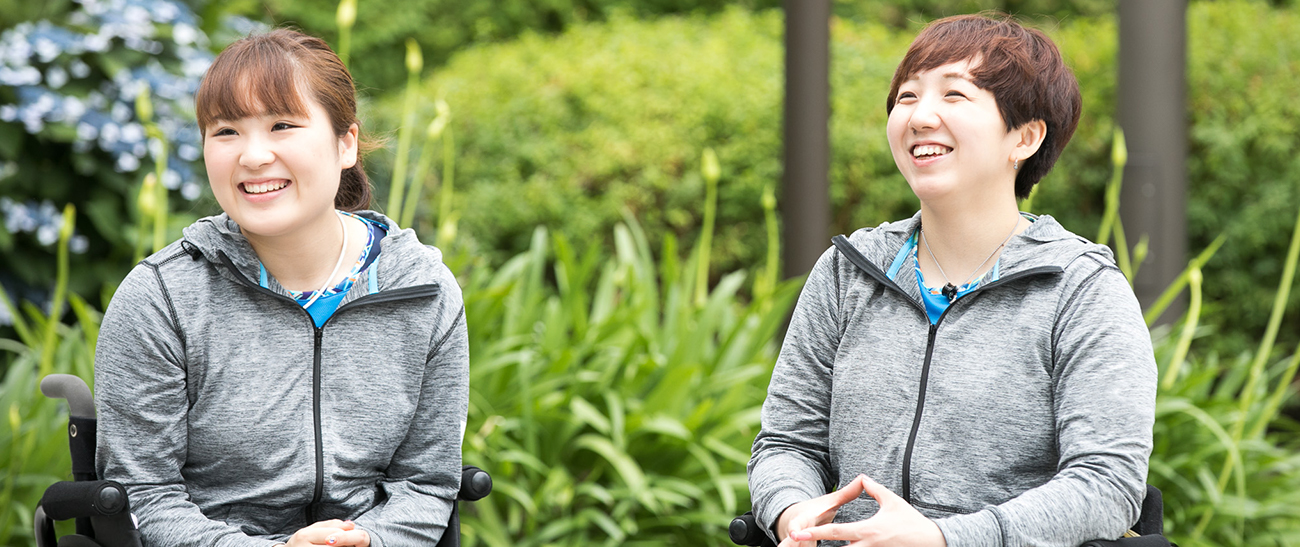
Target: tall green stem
pixel 431 136
pixel 1118 159
pixel 1189 329
pixel 345 17
pixel 52 322
pixel 446 216
pixel 414 63
pixel 711 171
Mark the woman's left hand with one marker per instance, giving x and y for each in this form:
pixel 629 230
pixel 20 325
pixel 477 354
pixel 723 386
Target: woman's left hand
pixel 897 523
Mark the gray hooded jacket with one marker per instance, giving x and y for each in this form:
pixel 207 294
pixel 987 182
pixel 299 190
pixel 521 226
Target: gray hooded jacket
pixel 1023 417
pixel 234 421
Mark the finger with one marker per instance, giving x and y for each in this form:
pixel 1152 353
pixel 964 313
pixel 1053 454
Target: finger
pixel 348 538
pixel 850 491
pixel 318 533
pixel 827 531
pixel 331 523
pixel 885 496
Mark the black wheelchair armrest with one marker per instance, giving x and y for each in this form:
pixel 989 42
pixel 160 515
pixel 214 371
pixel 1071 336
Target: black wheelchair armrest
pixel 104 503
pixel 744 530
pixel 475 484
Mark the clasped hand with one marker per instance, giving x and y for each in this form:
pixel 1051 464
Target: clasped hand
pixel 338 533
pixel 896 524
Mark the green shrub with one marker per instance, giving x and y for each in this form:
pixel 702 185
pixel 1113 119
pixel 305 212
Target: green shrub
pixel 565 131
pixel 609 407
pixel 1242 168
pixel 444 27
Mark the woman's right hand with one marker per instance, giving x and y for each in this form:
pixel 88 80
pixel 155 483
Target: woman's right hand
pixel 334 533
pixel 815 512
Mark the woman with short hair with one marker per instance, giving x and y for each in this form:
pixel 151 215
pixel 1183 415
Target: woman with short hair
pixel 983 375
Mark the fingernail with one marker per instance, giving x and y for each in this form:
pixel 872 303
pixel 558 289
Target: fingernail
pixel 331 540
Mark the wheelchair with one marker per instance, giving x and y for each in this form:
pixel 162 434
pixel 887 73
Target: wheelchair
pixel 101 509
pixel 1150 527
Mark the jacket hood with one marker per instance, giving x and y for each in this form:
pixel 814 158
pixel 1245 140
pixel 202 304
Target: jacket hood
pixel 1044 244
pixel 219 240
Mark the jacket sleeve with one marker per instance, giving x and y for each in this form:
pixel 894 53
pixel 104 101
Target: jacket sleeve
pixel 423 479
pixel 142 404
pixel 1104 388
pixel 791 455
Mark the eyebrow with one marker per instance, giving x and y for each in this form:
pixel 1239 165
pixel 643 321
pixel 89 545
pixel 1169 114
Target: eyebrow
pixel 947 76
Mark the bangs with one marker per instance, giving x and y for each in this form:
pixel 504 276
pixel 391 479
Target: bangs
pixel 255 80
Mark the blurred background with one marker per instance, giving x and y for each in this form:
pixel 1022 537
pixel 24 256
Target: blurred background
pixel 603 176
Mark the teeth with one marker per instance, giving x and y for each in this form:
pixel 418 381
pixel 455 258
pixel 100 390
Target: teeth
pixel 264 187
pixel 930 150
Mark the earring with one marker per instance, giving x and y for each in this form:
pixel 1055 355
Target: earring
pixel 1015 166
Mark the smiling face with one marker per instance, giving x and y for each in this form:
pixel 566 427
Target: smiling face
pixel 949 139
pixel 276 174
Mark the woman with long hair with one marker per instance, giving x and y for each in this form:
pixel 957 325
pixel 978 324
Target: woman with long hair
pixel 294 370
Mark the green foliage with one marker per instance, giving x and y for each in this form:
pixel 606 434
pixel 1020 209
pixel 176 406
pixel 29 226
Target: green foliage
pixel 567 130
pixel 914 13
pixel 32 439
pixel 443 27
pixel 1227 462
pixel 71 132
pixel 1242 166
pixel 610 406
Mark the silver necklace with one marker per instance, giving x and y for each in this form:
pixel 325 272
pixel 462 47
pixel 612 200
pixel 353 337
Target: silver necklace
pixel 950 290
pixel 343 251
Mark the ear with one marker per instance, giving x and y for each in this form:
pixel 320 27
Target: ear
pixel 1030 138
pixel 348 146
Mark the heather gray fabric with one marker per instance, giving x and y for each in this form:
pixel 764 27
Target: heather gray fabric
pixel 206 393
pixel 1035 426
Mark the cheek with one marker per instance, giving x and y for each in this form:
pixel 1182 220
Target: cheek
pixel 217 164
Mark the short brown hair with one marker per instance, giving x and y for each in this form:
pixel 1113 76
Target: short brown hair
pixel 261 74
pixel 1020 66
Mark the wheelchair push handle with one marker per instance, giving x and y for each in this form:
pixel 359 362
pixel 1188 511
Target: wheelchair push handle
pixel 72 388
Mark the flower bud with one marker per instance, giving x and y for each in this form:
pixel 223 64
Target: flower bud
pixel 144 105
pixel 709 166
pixel 347 13
pixel 1119 150
pixel 440 120
pixel 69 222
pixel 769 198
pixel 414 59
pixel 147 202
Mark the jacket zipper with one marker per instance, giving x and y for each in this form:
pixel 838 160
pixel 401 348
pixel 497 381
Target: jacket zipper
pixel 405 293
pixel 316 421
pixel 874 272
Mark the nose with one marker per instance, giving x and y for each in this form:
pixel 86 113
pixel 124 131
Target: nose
pixel 925 116
pixel 257 153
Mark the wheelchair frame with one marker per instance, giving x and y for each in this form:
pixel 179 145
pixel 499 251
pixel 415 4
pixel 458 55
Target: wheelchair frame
pixel 100 507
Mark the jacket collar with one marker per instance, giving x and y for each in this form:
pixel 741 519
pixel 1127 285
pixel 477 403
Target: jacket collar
pixel 1044 244
pixel 218 239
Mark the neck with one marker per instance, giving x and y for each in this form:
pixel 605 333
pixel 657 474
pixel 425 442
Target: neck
pixel 300 261
pixel 966 241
